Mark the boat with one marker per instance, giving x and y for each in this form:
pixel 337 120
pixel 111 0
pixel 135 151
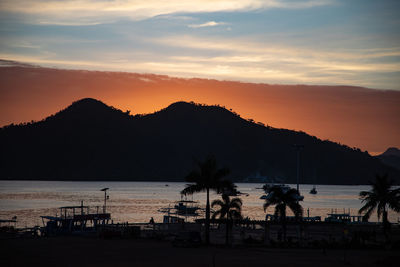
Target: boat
pixel 181 211
pixel 186 208
pixel 74 220
pixel 344 217
pixel 313 191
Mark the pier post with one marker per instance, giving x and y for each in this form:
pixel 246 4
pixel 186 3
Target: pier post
pixel 105 199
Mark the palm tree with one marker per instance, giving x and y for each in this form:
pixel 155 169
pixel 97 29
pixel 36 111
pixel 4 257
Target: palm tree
pixel 230 209
pixel 382 198
pixel 207 177
pixel 282 199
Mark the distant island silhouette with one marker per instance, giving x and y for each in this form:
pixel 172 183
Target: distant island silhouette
pixel 391 157
pixel 92 141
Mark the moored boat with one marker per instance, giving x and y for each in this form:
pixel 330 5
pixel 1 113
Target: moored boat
pixel 74 220
pixel 313 191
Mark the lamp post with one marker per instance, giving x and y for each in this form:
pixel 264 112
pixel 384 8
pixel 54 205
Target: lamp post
pixel 298 147
pixel 105 199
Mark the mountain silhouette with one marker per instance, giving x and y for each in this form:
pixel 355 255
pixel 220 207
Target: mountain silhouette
pixel 391 157
pixel 92 141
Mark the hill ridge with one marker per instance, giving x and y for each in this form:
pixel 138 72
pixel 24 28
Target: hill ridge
pixel 90 140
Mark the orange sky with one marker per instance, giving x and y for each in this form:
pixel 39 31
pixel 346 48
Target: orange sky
pixel 358 117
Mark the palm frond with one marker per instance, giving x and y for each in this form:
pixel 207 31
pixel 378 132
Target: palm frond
pixel 380 197
pixel 193 188
pixel 225 198
pixel 234 214
pixel 368 205
pixel 280 210
pixel 221 186
pixel 364 194
pixel 236 203
pixel 217 202
pixel 193 177
pixel 367 215
pixel 266 205
pixel 296 208
pixel 216 214
pixel 228 207
pixel 237 200
pixel 394 200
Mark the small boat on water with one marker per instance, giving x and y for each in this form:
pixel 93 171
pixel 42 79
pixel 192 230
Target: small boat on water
pixel 313 191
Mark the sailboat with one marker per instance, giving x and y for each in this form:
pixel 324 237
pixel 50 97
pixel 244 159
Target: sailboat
pixel 313 191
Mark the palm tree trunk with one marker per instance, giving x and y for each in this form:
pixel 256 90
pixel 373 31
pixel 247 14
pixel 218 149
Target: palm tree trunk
pixel 227 232
pixel 207 232
pixel 284 229
pixel 266 232
pixel 385 225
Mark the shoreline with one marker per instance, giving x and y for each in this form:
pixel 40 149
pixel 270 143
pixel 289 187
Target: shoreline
pixel 162 181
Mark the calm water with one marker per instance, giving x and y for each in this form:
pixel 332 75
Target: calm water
pixel 138 201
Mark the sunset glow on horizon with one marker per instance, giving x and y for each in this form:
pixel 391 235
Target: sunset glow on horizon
pixel 357 117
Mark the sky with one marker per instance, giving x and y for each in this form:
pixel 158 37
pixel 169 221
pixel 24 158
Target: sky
pixel 357 117
pixel 329 42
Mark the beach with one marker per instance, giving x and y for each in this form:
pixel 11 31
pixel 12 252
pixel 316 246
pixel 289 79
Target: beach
pixel 80 251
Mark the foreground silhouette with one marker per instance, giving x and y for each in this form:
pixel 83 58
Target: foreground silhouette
pixel 208 177
pixel 381 197
pixel 282 199
pixel 230 210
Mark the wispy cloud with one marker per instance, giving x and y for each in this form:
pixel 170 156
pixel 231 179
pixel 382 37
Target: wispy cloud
pixel 206 24
pixel 279 46
pixel 87 12
pixel 244 60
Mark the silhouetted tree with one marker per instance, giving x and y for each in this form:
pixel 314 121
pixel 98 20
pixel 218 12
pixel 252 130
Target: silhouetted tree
pixel 207 177
pixel 230 210
pixel 282 199
pixel 381 197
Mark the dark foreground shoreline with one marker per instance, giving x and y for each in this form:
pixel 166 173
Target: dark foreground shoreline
pixel 80 251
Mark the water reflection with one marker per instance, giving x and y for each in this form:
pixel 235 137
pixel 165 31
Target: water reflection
pixel 138 201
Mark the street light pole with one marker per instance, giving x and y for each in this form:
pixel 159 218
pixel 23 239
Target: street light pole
pixel 298 147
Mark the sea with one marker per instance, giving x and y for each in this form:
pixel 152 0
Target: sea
pixel 137 202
